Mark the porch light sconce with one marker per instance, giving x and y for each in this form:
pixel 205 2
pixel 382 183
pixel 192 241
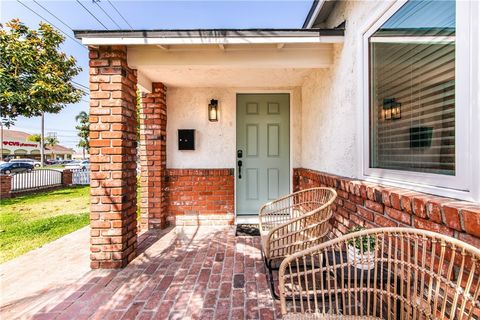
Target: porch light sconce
pixel 213 110
pixel 391 109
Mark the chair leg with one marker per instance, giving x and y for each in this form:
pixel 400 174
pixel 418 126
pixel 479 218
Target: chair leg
pixel 269 276
pixel 271 280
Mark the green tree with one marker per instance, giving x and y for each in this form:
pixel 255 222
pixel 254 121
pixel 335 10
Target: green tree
pixel 83 131
pixel 35 137
pixel 49 141
pixel 35 76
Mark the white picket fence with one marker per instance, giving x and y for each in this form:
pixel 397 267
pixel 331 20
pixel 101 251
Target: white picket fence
pixel 80 177
pixel 36 179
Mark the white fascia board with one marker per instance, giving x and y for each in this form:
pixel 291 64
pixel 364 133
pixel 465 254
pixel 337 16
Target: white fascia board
pixel 216 41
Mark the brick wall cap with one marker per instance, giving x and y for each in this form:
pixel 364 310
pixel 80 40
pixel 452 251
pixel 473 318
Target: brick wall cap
pixel 452 216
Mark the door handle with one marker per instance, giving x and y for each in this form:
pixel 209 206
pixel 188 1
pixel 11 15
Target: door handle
pixel 239 169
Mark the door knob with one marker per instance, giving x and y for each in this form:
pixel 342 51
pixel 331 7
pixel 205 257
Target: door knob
pixel 239 169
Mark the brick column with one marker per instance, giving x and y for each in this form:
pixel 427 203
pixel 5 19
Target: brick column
pixel 67 177
pixel 153 158
pixel 113 139
pixel 5 186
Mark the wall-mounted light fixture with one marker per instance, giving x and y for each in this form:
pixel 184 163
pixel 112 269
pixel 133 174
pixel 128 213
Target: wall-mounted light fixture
pixel 213 110
pixel 391 109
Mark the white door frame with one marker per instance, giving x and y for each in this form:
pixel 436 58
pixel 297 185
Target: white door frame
pixel 259 91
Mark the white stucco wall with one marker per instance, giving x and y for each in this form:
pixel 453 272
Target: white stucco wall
pixel 330 99
pixel 215 141
pixel 324 110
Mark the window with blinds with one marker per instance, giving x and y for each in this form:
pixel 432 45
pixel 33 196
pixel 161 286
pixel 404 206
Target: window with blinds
pixel 412 89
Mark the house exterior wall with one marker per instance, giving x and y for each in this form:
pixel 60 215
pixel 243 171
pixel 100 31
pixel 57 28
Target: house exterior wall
pixel 201 196
pixel 330 98
pixel 187 109
pixel 331 147
pixel 372 206
pixel 201 183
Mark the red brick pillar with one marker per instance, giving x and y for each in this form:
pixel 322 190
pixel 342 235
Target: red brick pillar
pixel 113 139
pixel 153 158
pixel 67 177
pixel 5 186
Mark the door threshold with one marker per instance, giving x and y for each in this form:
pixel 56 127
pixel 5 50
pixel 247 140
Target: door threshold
pixel 247 219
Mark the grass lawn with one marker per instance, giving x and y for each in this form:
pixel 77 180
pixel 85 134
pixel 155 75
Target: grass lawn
pixel 53 166
pixel 28 222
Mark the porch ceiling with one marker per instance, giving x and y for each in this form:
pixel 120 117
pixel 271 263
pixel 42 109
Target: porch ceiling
pixel 239 65
pixel 215 77
pixel 222 57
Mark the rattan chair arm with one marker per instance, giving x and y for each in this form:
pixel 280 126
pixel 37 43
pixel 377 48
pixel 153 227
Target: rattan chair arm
pixel 263 213
pixel 331 244
pixel 275 230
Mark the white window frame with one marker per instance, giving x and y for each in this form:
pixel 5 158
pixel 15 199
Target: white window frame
pixel 465 184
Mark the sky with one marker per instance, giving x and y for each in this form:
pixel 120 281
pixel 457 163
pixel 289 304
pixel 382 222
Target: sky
pixel 114 15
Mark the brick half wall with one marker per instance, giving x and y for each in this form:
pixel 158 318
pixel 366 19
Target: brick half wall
pixel 372 205
pixel 200 196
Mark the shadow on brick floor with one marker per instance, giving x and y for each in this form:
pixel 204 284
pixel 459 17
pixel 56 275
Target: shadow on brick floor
pixel 188 273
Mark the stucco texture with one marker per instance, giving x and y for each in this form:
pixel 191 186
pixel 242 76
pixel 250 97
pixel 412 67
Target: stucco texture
pixel 330 99
pixel 324 116
pixel 215 142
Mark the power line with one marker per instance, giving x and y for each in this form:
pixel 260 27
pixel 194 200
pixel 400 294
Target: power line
pixel 114 8
pixel 76 41
pixel 77 86
pixel 46 129
pixel 94 16
pixel 111 19
pixel 80 85
pixel 60 20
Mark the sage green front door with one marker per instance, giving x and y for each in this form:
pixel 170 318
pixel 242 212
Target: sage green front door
pixel 263 150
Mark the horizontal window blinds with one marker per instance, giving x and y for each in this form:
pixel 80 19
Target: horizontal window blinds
pixel 412 99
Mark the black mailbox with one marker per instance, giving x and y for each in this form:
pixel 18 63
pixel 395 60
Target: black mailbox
pixel 186 139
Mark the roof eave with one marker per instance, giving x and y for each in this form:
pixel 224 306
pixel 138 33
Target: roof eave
pixel 211 36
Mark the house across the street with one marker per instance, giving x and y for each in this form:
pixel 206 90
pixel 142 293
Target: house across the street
pixel 16 145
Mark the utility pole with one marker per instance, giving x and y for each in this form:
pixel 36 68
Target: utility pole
pixel 1 141
pixel 42 141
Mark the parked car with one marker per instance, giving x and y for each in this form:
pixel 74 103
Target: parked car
pixel 33 162
pixel 83 164
pixel 15 167
pixel 51 161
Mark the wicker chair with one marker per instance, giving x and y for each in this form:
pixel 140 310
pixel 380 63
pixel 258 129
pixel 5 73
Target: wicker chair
pixel 294 223
pixel 396 273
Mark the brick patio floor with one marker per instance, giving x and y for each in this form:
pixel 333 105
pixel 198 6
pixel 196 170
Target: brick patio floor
pixel 187 273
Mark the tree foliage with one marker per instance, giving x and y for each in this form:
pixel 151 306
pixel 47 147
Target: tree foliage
pixel 35 76
pixel 83 130
pixel 34 137
pixel 49 140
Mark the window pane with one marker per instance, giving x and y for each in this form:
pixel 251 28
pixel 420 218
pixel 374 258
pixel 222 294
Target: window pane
pixel 412 89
